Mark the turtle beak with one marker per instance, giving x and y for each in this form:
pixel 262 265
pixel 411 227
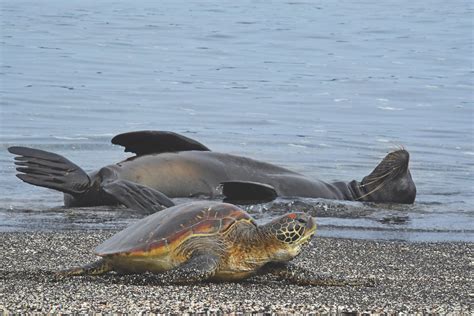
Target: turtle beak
pixel 311 225
pixel 310 229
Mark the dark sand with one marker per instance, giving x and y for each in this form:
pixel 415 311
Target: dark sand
pixel 410 277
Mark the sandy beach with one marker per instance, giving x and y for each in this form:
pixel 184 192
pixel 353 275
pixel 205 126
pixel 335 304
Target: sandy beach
pixel 410 277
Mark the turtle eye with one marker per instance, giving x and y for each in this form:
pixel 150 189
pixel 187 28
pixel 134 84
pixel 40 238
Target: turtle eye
pixel 302 220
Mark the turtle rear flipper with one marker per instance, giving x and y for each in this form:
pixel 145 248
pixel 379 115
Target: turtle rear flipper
pixel 49 170
pixel 137 196
pixel 247 192
pixel 96 268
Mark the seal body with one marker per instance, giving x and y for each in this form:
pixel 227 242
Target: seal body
pixel 199 173
pixel 178 166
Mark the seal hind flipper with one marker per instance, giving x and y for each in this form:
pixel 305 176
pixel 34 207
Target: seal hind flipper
pixel 45 169
pixel 137 197
pixel 155 142
pixel 247 192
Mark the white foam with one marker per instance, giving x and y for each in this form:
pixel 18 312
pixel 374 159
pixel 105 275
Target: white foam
pixel 70 138
pixel 389 108
pixel 297 145
pixel 134 123
pixel 189 111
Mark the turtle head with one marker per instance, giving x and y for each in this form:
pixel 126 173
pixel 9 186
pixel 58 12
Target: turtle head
pixel 289 233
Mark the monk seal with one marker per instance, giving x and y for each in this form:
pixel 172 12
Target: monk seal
pixel 176 166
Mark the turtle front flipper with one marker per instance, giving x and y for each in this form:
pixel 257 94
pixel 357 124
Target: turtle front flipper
pixel 96 268
pixel 137 196
pixel 198 268
pixel 301 276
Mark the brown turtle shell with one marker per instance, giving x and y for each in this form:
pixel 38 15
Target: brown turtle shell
pixel 173 225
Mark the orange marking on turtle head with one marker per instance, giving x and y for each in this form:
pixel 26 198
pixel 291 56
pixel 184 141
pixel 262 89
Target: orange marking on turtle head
pixel 292 216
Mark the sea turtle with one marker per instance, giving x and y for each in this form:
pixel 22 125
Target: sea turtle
pixel 208 240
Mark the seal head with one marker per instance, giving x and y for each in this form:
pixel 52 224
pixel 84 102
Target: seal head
pixel 389 182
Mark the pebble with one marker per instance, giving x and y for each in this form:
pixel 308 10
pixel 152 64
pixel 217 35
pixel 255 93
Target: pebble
pixel 411 278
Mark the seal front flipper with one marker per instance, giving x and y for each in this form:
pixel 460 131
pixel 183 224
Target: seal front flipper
pixel 45 169
pixel 155 142
pixel 137 197
pixel 247 192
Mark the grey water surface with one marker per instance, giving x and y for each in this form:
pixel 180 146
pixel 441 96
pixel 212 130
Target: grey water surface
pixel 325 88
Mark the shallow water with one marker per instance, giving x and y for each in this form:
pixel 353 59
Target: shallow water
pixel 326 89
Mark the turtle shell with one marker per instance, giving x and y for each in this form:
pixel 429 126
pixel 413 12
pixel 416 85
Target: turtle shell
pixel 172 226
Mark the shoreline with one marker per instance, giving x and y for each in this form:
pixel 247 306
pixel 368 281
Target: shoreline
pixel 336 219
pixel 410 277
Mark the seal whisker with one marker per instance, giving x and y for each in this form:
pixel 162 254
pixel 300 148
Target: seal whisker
pixel 374 190
pixel 385 177
pixel 375 179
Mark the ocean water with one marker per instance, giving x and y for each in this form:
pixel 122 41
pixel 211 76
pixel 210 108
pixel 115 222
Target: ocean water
pixel 325 88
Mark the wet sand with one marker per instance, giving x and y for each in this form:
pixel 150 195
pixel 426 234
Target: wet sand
pixel 410 277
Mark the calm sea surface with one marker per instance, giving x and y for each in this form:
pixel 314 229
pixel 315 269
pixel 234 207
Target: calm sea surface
pixel 325 88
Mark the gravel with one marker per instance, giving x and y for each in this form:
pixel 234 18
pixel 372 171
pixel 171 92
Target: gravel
pixel 410 278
